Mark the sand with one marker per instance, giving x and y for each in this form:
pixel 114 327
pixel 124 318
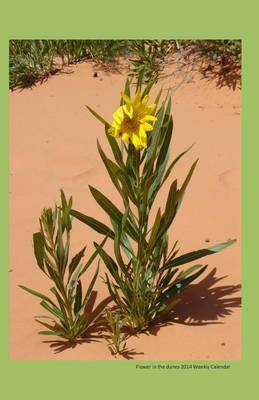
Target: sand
pixel 53 145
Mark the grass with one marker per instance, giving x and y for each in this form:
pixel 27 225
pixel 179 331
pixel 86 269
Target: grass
pixel 33 61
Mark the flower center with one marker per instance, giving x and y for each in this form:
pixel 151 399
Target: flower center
pixel 130 125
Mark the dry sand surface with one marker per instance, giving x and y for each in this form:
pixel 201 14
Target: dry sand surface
pixel 53 145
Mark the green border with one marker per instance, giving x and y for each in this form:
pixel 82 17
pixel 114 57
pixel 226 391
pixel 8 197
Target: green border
pixel 135 19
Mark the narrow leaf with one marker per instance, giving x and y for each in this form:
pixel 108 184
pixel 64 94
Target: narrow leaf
pixel 179 286
pixel 75 261
pixel 195 255
pixel 37 294
pixel 174 162
pixel 108 261
pixel 101 119
pixel 92 258
pixel 78 298
pixel 112 211
pixel 93 223
pixel 38 244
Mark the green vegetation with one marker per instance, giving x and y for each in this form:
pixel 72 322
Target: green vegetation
pixel 68 311
pixel 145 278
pixel 32 61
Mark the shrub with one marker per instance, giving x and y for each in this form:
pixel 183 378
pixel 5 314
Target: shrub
pixel 145 279
pixel 69 318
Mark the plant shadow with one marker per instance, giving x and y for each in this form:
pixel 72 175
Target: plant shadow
pixel 224 75
pixel 129 354
pixel 93 333
pixel 202 304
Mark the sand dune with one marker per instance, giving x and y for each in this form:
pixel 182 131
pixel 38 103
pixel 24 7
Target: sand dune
pixel 53 145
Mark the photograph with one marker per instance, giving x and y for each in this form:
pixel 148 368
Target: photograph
pixel 125 200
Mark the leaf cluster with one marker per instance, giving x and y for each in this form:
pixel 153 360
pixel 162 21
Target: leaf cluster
pixel 144 279
pixel 149 55
pixel 116 340
pixel 68 317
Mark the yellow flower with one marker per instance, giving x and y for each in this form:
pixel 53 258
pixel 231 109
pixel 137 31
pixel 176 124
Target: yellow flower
pixel 132 120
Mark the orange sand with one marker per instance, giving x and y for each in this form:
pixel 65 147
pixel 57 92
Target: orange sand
pixel 53 145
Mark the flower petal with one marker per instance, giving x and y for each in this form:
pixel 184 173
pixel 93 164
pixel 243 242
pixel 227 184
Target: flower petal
pixel 142 136
pixel 126 98
pixel 148 127
pixel 128 110
pixel 125 136
pixel 144 142
pixel 142 133
pixel 118 116
pixel 148 117
pixel 136 141
pixel 151 108
pixel 145 100
pixel 137 98
pixel 113 132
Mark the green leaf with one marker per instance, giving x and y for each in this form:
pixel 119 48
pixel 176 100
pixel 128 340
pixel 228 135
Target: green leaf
pixel 75 261
pixel 51 333
pixel 108 261
pixel 186 182
pixel 165 148
pixel 53 310
pixel 66 222
pixel 127 86
pixel 52 328
pixel 168 110
pixel 92 258
pixel 126 246
pixel 179 286
pixel 93 223
pixel 122 240
pixel 78 298
pixel 90 287
pixel 174 162
pixel 170 210
pixel 111 167
pixel 112 294
pixel 117 242
pixel 115 149
pixel 195 255
pixel 184 274
pixel 185 282
pixel 96 115
pixel 60 246
pixel 155 136
pixel 38 244
pixel 61 305
pixel 63 199
pixel 154 232
pixel 112 211
pixel 167 278
pixel 157 99
pixel 37 294
pixel 147 89
pixel 140 77
pixel 221 246
pixel 126 186
pixel 171 202
pixel 160 166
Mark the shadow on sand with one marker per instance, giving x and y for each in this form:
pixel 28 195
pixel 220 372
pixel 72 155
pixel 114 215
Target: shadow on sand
pixel 204 303
pixel 224 76
pixel 96 331
pixel 93 334
pixel 201 304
